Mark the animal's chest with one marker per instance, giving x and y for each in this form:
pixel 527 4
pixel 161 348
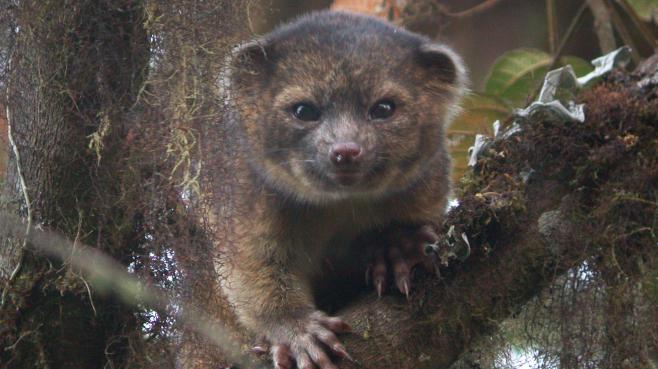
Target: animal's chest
pixel 336 263
pixel 330 239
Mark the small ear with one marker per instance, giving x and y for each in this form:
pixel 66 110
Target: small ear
pixel 445 64
pixel 250 57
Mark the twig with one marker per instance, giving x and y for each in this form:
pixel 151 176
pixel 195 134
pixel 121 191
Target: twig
pixel 551 19
pixel 250 23
pixel 567 35
pixel 624 33
pixel 76 240
pixel 91 300
pixel 485 5
pixel 26 196
pixel 20 338
pixel 555 58
pixel 647 35
pixel 110 274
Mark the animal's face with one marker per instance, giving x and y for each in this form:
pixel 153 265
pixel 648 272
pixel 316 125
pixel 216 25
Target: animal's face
pixel 353 109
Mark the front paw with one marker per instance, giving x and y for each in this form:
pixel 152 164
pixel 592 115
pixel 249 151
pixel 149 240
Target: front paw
pixel 309 342
pixel 400 250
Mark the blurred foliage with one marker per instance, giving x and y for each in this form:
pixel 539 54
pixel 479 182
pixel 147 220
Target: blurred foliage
pixel 479 111
pixel 646 9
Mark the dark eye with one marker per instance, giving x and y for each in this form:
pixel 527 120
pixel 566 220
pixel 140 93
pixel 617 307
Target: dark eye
pixel 381 110
pixel 306 112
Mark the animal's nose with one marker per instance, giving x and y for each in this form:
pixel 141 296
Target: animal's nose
pixel 345 153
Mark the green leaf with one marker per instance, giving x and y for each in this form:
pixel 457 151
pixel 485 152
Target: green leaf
pixel 479 111
pixel 644 8
pixel 516 75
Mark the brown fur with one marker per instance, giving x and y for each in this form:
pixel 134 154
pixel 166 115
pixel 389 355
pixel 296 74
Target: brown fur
pixel 286 212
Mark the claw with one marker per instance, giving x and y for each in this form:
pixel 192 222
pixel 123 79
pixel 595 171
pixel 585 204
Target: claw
pixel 346 328
pixel 404 249
pixel 258 350
pixel 336 325
pixel 340 351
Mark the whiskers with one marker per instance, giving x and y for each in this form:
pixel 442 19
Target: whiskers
pixel 290 162
pixel 278 150
pixel 287 161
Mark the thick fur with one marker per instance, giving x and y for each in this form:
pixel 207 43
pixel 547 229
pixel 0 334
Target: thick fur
pixel 286 211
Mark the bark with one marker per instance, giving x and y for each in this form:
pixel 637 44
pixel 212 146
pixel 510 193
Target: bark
pixel 73 70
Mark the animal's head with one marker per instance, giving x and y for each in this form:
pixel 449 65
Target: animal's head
pixel 337 105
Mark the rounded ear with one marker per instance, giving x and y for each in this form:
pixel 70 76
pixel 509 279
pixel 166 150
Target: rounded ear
pixel 444 63
pixel 249 57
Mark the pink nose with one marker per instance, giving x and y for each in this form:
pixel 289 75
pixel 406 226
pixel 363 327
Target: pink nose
pixel 345 153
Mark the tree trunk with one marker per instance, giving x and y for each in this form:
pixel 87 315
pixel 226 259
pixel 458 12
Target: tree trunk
pixel 74 69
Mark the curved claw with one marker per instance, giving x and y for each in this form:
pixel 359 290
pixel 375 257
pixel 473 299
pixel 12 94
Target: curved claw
pixel 405 288
pixel 258 350
pixel 404 251
pixel 379 271
pixel 380 288
pixel 334 324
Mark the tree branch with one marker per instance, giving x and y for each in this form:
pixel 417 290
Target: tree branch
pixel 481 7
pixel 603 25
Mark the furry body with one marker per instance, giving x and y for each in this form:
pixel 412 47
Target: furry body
pixel 316 161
